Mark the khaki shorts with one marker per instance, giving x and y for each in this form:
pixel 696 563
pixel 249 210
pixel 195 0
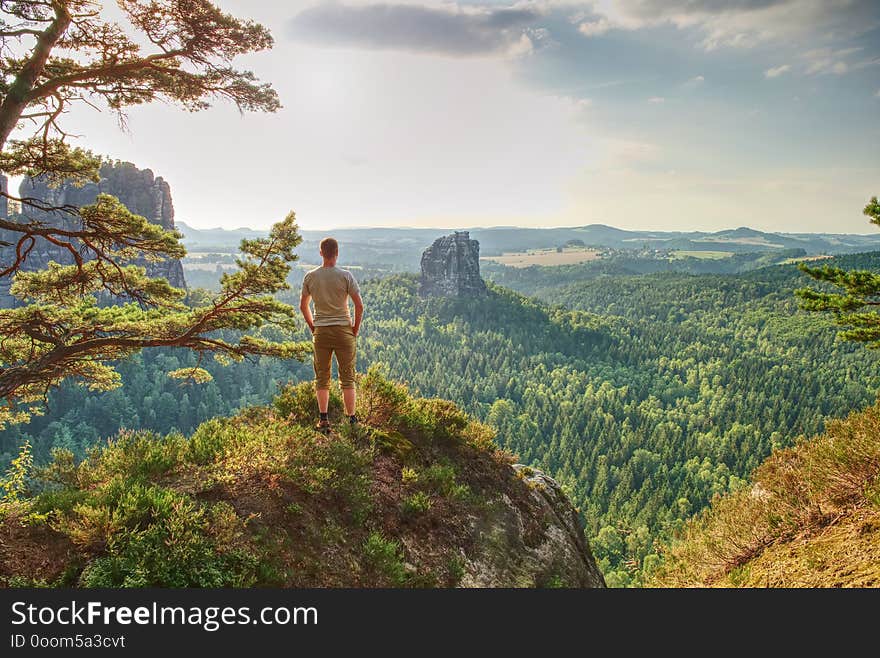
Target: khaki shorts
pixel 336 339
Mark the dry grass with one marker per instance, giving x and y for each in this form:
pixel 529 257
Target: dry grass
pixel 810 518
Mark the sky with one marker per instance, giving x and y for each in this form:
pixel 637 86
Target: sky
pixel 640 114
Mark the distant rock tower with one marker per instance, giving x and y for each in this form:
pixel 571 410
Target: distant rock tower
pixel 451 268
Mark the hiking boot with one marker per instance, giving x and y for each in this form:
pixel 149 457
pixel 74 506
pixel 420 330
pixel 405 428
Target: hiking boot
pixel 323 425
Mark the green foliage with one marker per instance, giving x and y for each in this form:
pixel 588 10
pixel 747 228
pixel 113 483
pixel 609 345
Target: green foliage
pixel 675 393
pixel 380 400
pixel 383 556
pixel 15 483
pixel 437 418
pixel 440 478
pixel 392 442
pixel 409 475
pixel 455 570
pixel 211 440
pixel 255 499
pixel 414 504
pixel 32 361
pixel 851 308
pixel 298 403
pixel 178 52
pixel 169 541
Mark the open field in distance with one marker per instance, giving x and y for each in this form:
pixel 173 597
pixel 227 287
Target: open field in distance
pixel 568 256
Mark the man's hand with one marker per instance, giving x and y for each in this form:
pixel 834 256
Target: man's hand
pixel 306 311
pixel 358 313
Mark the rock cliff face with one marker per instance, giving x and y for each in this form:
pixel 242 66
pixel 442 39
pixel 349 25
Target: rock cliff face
pixel 539 542
pixel 451 267
pixel 140 191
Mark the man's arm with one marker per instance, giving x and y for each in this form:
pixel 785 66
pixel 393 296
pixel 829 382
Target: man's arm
pixel 304 300
pixel 358 311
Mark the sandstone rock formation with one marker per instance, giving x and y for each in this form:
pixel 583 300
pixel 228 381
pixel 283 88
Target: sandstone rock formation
pixel 140 191
pixel 451 267
pixel 539 543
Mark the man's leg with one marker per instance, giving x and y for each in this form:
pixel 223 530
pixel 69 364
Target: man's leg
pixel 322 356
pixel 323 399
pixel 346 354
pixel 349 397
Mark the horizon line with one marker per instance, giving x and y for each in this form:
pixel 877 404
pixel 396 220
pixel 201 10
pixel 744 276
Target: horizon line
pixel 525 228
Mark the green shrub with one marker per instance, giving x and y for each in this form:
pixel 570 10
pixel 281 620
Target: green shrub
pixel 333 468
pixel 380 401
pixel 14 485
pixel 416 503
pixel 555 582
pixel 409 475
pixel 384 558
pixel 455 569
pixel 58 500
pixel 210 440
pixel 139 454
pixel 436 418
pixel 442 420
pixel 161 538
pixel 441 479
pixel 392 443
pixel 61 470
pixel 298 403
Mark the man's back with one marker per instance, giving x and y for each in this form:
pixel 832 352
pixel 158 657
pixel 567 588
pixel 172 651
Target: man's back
pixel 330 288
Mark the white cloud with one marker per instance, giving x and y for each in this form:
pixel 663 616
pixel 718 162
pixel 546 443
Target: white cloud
pixel 837 62
pixel 776 71
pixel 595 28
pixel 696 80
pixel 656 99
pixel 747 23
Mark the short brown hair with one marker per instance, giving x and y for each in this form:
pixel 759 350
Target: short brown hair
pixel 329 247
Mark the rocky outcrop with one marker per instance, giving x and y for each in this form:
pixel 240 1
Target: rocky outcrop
pixel 451 268
pixel 423 498
pixel 140 191
pixel 538 542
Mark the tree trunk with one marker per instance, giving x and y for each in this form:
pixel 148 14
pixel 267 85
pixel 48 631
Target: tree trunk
pixel 18 97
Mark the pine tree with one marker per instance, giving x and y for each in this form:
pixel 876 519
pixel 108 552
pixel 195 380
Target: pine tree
pixel 57 53
pixel 860 292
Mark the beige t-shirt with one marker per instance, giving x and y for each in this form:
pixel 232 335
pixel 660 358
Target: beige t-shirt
pixel 330 288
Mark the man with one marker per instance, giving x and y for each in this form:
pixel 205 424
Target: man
pixel 333 332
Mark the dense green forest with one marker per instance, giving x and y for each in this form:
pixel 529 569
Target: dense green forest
pixel 644 395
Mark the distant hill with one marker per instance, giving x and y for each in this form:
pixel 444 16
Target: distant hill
pixel 404 245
